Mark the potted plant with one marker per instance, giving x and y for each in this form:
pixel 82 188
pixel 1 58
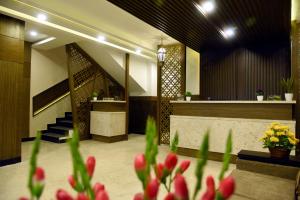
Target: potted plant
pixel 95 96
pixel 188 96
pixel 280 140
pixel 288 86
pixel 260 95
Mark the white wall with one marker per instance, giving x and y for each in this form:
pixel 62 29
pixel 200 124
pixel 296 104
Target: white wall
pixel 47 69
pixel 192 71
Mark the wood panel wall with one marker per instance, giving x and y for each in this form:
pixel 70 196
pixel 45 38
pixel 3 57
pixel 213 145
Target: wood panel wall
pixel 12 73
pixel 296 74
pixel 236 74
pixel 140 107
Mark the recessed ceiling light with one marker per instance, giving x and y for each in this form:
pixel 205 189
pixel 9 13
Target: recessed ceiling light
pixel 42 17
pixel 33 33
pixel 138 51
pixel 101 38
pixel 206 7
pixel 228 32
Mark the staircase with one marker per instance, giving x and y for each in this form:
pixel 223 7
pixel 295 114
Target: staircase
pixel 60 131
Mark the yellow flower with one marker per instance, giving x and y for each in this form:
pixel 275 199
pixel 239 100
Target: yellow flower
pixel 274 139
pixel 291 134
pixel 269 132
pixel 292 141
pixel 276 127
pixel 286 128
pixel 264 137
pixel 274 123
pixel 279 133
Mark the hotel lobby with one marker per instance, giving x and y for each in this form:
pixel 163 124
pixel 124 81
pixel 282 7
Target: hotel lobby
pixel 146 100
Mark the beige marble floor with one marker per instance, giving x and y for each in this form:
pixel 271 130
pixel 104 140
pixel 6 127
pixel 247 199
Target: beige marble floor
pixel 114 168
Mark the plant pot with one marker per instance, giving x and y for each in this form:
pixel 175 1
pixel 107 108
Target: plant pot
pixel 188 98
pixel 260 98
pixel 280 153
pixel 95 98
pixel 288 96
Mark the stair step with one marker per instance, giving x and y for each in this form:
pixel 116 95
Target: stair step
pixel 68 114
pixel 54 137
pixel 59 129
pixel 64 122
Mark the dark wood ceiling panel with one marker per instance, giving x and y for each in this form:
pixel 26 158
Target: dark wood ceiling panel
pixel 255 20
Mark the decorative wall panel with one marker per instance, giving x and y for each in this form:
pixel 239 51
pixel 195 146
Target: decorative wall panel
pixel 236 74
pixel 171 83
pixel 85 77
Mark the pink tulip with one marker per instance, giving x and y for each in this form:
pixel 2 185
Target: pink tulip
pixel 210 189
pixel 152 189
pixel 159 171
pixel 63 195
pixel 102 195
pixel 170 196
pixel 181 190
pixel 23 198
pixel 90 165
pixel 39 174
pixel 184 165
pixel 97 188
pixel 226 187
pixel 140 163
pixel 72 181
pixel 171 161
pixel 82 196
pixel 138 196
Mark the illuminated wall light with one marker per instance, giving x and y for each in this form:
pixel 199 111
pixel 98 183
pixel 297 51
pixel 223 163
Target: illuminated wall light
pixel 33 33
pixel 101 38
pixel 42 17
pixel 138 51
pixel 228 32
pixel 44 41
pixel 206 7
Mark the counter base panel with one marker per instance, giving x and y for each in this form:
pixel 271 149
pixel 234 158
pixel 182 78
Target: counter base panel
pixel 112 139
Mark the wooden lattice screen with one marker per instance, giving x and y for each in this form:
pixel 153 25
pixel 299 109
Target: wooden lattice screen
pixel 85 77
pixel 171 75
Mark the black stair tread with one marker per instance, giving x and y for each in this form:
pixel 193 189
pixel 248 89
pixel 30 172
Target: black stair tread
pixel 55 135
pixel 65 120
pixel 61 128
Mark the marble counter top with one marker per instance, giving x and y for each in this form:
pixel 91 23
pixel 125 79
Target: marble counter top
pixel 238 102
pixel 107 101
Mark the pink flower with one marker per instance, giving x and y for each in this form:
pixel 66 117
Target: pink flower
pixel 72 181
pixel 90 165
pixel 210 189
pixel 152 189
pixel 138 196
pixel 226 187
pixel 63 195
pixel 102 195
pixel 181 190
pixel 82 196
pixel 171 161
pixel 184 165
pixel 23 198
pixel 140 163
pixel 98 187
pixel 159 171
pixel 170 196
pixel 39 174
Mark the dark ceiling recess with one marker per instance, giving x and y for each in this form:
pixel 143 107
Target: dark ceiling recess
pixel 256 21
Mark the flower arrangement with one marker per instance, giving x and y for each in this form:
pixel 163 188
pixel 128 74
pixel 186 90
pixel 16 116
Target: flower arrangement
pixel 150 173
pixel 259 92
pixel 153 174
pixel 188 94
pixel 279 135
pixel 287 85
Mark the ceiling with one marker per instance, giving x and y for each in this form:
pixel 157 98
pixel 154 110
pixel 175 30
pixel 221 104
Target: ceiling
pixel 254 20
pixel 95 18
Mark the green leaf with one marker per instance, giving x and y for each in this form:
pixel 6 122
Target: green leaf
pixel 174 143
pixel 202 160
pixel 227 155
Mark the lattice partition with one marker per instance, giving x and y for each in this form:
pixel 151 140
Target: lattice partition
pixel 171 83
pixel 85 77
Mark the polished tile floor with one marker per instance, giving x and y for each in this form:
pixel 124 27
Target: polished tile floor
pixel 114 168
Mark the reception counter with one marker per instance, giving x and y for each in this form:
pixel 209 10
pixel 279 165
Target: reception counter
pixel 108 121
pixel 247 119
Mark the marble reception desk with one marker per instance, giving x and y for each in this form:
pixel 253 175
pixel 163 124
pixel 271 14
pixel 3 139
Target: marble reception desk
pixel 247 119
pixel 108 121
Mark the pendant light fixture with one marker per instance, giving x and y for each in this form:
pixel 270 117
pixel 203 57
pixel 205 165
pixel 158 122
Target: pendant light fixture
pixel 161 53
